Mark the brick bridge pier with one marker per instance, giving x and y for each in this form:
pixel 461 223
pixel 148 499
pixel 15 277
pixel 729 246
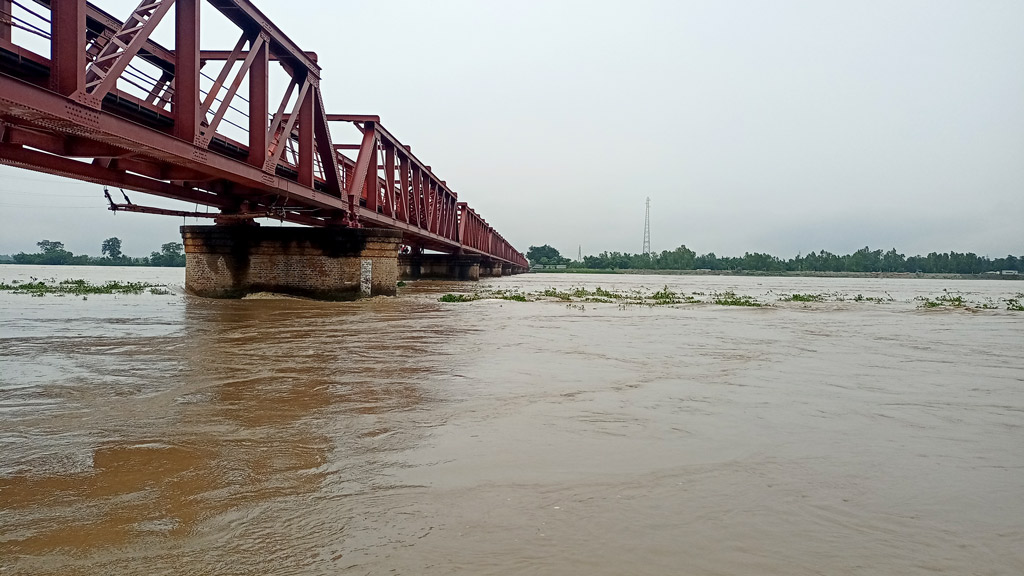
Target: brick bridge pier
pixel 230 261
pixel 323 263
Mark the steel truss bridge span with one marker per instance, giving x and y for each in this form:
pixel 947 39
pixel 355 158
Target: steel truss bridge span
pixel 89 96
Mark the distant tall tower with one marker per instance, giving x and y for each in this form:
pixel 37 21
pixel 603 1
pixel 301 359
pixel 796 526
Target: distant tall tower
pixel 579 254
pixel 647 228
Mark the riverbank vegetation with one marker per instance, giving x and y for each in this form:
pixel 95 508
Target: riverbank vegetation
pixel 51 252
pixel 864 260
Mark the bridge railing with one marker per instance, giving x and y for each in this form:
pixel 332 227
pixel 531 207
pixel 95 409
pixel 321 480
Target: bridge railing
pixel 475 233
pixel 405 190
pixel 390 182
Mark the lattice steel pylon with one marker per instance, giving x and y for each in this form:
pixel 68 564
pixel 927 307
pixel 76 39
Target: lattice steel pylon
pixel 647 229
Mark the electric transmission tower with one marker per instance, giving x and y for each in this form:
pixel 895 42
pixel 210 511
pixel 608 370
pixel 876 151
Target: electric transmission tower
pixel 647 229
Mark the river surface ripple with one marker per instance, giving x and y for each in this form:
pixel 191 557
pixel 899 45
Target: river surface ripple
pixel 166 434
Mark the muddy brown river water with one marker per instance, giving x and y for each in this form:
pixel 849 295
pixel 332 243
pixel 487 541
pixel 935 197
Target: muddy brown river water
pixel 165 434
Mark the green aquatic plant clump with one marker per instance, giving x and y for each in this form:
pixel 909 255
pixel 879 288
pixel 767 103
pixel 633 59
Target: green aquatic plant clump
pixel 956 300
pixel 636 297
pixel 515 297
pixel 730 298
pixel 553 293
pixel 602 293
pixel 581 293
pixel 665 295
pixel 458 298
pixel 509 295
pixel 945 300
pixel 875 299
pixel 802 298
pixel 37 287
pixel 1015 302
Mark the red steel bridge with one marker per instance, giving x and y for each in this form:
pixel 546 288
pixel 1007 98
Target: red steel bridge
pixel 243 131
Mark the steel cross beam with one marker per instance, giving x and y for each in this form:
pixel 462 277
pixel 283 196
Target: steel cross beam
pixel 86 110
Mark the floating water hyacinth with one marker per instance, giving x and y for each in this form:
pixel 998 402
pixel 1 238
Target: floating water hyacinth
pixel 37 287
pixel 668 297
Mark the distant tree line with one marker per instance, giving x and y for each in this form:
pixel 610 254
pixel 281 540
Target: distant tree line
pixel 53 253
pixel 863 260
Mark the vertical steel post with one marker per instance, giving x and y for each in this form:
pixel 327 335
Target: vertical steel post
pixel 442 202
pixel 448 218
pixel 439 212
pixel 435 208
pixel 428 195
pixel 460 231
pixel 453 219
pixel 425 203
pixel 5 19
pixel 259 105
pixel 389 178
pixel 67 48
pixel 421 200
pixel 185 105
pixel 417 179
pixel 305 135
pixel 404 175
pixel 372 186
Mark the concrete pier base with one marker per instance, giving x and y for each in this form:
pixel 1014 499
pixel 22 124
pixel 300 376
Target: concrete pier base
pixel 439 267
pixel 322 263
pixel 491 269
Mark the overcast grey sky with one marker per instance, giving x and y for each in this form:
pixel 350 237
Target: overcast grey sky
pixel 783 126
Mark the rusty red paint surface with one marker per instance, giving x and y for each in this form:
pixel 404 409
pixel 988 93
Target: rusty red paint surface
pixel 88 110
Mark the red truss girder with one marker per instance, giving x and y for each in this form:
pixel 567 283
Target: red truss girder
pixel 86 111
